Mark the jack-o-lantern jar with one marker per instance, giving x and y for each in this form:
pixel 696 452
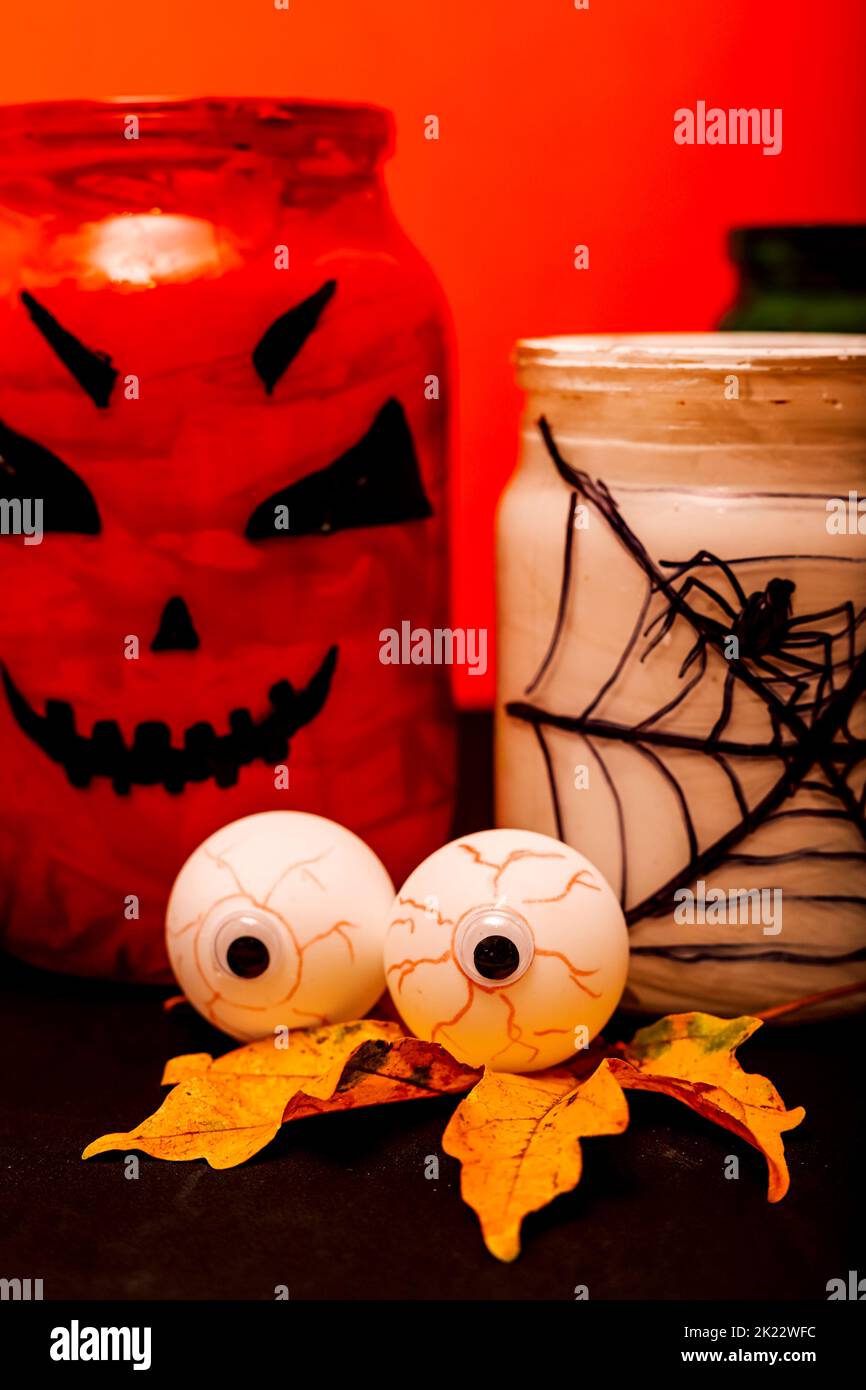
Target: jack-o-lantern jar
pixel 222 459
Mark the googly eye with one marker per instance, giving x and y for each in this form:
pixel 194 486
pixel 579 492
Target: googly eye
pixel 247 957
pixel 247 945
pixel 526 945
pixel 494 946
pixel 278 921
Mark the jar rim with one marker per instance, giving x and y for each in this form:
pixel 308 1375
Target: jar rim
pixel 273 125
pixel 719 351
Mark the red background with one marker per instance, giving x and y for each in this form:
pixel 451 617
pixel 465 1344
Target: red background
pixel 556 129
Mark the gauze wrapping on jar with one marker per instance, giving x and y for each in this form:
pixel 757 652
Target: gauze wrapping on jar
pixel 681 593
pixel 222 377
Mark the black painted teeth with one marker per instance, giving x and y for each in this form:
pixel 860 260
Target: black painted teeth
pixel 151 759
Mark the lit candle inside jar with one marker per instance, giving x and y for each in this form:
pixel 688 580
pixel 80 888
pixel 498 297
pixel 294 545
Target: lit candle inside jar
pixel 145 249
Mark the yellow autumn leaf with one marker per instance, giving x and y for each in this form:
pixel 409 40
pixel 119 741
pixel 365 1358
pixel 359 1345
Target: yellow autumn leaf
pixel 691 1057
pixel 517 1140
pixel 228 1109
pixel 189 1064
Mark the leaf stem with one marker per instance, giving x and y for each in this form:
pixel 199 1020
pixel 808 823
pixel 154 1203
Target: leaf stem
pixel 794 1004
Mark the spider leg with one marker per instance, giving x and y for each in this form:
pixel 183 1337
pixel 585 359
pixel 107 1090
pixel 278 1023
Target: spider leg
pixel 713 629
pixel 697 649
pixel 667 617
pixel 804 640
pixel 708 559
pixel 816 667
pixel 692 583
pixel 827 667
pixel 705 557
pixel 678 699
pixel 823 670
pixel 727 705
pixel 810 637
pixel 845 609
pixel 854 621
pixel 799 685
pixel 825 640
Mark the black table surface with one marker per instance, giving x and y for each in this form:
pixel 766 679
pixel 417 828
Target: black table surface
pixel 338 1206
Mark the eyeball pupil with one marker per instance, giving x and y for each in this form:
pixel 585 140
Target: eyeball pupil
pixel 496 957
pixel 248 957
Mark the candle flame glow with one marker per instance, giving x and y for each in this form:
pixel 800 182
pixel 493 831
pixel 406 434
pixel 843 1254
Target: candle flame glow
pixel 146 249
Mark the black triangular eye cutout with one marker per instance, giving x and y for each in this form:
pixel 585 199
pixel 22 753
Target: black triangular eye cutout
pixel 375 483
pixel 27 471
pixel 92 370
pixel 286 336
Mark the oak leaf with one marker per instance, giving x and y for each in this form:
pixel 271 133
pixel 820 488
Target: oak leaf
pixel 228 1109
pixel 691 1057
pixel 517 1140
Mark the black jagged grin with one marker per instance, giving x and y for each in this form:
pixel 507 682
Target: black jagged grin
pixel 152 759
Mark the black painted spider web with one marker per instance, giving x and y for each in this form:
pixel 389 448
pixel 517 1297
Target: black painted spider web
pixel 805 669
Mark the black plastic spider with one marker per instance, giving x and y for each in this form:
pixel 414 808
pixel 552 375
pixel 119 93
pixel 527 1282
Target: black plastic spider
pixel 763 627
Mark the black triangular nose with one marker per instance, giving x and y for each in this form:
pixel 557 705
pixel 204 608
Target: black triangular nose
pixel 176 632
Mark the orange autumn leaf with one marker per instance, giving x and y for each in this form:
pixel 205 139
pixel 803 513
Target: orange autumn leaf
pixel 517 1140
pixel 228 1109
pixel 382 1071
pixel 691 1057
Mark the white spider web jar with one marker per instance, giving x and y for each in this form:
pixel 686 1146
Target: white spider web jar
pixel 681 564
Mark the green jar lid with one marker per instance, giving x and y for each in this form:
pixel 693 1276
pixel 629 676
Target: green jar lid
pixel 820 256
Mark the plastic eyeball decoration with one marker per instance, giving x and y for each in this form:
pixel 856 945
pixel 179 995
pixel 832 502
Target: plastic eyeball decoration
pixel 507 947
pixel 277 920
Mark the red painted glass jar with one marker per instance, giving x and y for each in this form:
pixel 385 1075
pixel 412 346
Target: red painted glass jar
pixel 222 474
